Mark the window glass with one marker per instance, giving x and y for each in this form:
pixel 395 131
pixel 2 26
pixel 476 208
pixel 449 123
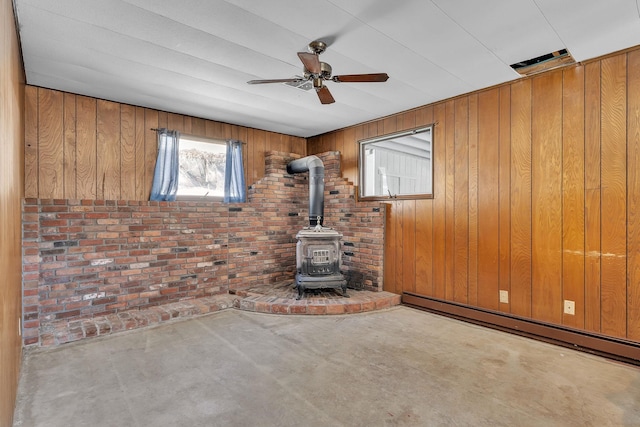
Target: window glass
pixel 397 165
pixel 202 167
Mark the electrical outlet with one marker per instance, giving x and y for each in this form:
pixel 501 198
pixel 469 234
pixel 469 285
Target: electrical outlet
pixel 569 307
pixel 504 297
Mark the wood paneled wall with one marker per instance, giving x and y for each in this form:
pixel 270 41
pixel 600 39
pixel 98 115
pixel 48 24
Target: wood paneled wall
pixel 11 161
pixel 85 148
pixel 536 192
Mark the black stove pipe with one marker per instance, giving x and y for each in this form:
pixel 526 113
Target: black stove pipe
pixel 314 165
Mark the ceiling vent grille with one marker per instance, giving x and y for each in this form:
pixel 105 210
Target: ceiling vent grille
pixel 300 84
pixel 546 62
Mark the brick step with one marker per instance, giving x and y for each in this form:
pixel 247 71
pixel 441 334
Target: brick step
pixel 278 299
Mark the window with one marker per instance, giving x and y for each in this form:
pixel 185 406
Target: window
pixel 397 165
pixel 202 168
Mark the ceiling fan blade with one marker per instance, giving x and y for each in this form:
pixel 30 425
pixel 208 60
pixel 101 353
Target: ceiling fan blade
pixel 310 61
pixel 325 96
pixel 361 78
pixel 257 82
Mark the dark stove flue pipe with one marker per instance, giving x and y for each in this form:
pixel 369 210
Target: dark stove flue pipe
pixel 314 165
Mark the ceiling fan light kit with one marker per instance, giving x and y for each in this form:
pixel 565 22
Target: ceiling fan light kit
pixel 317 72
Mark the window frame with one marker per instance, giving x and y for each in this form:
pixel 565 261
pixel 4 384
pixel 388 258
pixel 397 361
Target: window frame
pixel 362 145
pixel 204 140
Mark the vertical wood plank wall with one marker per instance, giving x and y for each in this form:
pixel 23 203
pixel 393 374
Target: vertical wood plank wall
pixel 11 161
pixel 78 147
pixel 536 192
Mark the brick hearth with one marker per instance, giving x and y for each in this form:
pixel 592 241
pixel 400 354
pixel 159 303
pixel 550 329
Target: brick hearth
pixel 281 299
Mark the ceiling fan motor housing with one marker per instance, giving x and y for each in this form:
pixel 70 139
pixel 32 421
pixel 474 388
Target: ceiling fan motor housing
pixel 325 70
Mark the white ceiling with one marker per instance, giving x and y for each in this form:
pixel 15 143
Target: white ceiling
pixel 194 57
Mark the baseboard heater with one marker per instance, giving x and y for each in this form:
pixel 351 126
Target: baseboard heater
pixel 613 348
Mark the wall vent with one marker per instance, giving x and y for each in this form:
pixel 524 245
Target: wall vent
pixel 545 62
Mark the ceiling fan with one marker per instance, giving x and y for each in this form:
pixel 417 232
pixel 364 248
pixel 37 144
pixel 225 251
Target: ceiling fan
pixel 317 71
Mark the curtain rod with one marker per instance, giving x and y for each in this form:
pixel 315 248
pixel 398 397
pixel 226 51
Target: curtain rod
pixel 156 130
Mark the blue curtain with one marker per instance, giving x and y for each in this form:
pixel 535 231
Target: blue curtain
pixel 165 177
pixel 234 187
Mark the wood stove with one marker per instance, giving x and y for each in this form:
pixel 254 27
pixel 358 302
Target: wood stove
pixel 318 255
pixel 318 260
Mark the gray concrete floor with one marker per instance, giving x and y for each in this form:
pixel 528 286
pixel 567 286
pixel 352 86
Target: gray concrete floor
pixel 394 367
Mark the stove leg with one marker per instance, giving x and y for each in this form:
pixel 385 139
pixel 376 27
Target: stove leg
pixel 344 292
pixel 300 292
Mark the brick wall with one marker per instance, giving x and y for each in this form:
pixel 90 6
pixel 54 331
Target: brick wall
pixel 86 258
